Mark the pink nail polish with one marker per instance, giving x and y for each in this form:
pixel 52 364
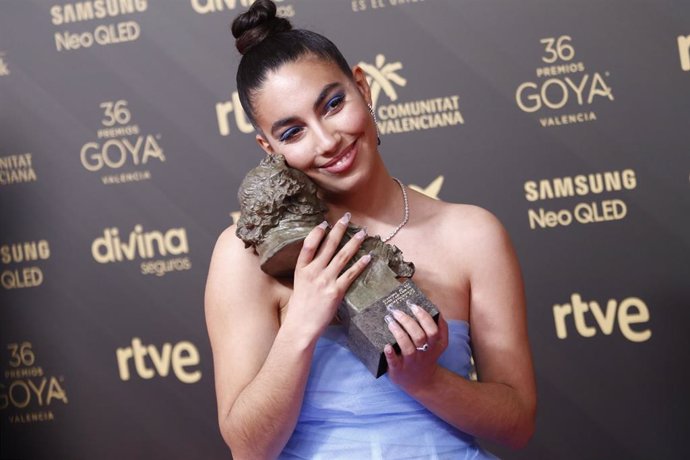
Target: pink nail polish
pixel 323 225
pixel 366 258
pixel 345 219
pixel 414 308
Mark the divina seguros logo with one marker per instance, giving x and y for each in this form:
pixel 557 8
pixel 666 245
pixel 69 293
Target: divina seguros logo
pixel 121 145
pixel 155 248
pixel 215 6
pixel 563 85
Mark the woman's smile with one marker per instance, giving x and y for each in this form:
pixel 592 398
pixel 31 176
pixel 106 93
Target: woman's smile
pixel 342 162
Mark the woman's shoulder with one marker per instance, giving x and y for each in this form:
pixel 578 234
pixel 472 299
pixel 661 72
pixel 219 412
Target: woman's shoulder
pixel 466 221
pixel 234 265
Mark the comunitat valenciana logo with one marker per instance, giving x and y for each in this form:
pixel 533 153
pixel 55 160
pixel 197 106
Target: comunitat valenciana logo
pixel 283 8
pixel 28 393
pixel 564 91
pixel 684 51
pixel 395 116
pixel 72 35
pixel 17 169
pixel 21 264
pixel 630 316
pixel 150 361
pixel 159 252
pixel 608 183
pixel 122 153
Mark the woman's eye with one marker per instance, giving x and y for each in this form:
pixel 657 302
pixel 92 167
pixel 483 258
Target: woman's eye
pixel 335 102
pixel 289 134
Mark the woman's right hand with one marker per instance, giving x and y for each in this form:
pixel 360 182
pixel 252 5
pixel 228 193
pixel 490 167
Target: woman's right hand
pixel 319 285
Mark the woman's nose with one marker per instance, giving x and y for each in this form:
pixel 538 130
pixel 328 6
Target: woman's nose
pixel 326 139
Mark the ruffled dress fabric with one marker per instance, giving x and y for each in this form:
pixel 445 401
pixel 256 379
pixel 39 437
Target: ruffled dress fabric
pixel 348 414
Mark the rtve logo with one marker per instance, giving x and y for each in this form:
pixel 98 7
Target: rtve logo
pixel 180 357
pixel 381 77
pixel 684 51
pixel 628 312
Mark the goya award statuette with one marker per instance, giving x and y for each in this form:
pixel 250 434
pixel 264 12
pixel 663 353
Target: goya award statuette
pixel 279 207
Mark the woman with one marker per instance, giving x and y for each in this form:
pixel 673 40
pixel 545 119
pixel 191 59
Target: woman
pixel 286 385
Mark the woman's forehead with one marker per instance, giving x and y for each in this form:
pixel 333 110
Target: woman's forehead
pixel 296 85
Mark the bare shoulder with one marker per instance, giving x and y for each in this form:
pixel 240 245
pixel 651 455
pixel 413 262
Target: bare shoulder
pixel 236 286
pixel 470 227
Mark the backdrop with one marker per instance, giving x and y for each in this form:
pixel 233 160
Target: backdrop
pixel 123 144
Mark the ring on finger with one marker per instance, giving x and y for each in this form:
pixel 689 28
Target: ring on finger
pixel 424 347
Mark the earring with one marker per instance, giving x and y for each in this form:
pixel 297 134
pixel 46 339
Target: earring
pixel 376 123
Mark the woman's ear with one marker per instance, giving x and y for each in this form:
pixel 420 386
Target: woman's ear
pixel 263 143
pixel 362 84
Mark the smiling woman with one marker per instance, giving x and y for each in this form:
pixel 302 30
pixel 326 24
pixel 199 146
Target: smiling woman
pixel 287 385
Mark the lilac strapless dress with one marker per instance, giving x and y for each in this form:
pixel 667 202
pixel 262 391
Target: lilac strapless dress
pixel 348 414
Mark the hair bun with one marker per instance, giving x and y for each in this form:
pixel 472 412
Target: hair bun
pixel 256 24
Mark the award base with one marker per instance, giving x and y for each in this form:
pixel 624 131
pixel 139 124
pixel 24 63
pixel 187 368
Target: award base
pixel 368 333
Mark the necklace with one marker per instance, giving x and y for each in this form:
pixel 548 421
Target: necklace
pixel 407 212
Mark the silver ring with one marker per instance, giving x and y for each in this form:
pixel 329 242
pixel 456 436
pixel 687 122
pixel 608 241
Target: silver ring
pixel 424 347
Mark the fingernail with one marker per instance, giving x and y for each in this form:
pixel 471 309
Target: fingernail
pixel 323 225
pixel 388 350
pixel 391 308
pixel 360 234
pixel 345 219
pixel 389 319
pixel 414 308
pixel 366 258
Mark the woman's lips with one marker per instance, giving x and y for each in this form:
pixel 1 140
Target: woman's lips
pixel 342 162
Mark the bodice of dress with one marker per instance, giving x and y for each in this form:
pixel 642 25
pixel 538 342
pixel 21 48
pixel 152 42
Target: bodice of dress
pixel 349 414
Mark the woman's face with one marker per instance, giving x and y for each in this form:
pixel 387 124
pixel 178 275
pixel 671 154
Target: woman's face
pixel 318 118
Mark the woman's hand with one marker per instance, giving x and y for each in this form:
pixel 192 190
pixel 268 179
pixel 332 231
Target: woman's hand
pixel 421 343
pixel 318 284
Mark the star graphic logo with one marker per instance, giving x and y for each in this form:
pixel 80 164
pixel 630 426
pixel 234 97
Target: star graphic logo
pixel 432 190
pixel 381 76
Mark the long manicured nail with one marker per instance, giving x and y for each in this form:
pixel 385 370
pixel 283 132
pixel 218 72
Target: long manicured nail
pixel 360 235
pixel 391 308
pixel 345 219
pixel 323 225
pixel 414 308
pixel 389 319
pixel 366 258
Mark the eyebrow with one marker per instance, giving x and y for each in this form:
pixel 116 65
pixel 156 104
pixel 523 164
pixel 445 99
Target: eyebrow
pixel 317 103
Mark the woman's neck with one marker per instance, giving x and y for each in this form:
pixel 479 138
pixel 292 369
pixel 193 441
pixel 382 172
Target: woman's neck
pixel 376 204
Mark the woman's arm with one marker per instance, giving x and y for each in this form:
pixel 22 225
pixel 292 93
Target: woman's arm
pixel 261 366
pixel 500 407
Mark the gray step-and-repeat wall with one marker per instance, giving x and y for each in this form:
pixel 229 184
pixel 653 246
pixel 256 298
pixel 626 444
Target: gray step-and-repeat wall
pixel 122 144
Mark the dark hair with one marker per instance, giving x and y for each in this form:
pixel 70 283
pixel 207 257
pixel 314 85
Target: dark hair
pixel 266 42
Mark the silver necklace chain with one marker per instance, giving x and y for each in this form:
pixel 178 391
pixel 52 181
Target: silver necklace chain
pixel 407 213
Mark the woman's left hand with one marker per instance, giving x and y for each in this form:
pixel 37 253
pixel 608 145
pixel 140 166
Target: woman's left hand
pixel 421 342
